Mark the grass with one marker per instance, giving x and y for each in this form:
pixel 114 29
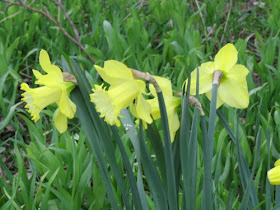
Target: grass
pixel 41 168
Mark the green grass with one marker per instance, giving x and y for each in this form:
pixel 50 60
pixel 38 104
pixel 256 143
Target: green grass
pixel 41 168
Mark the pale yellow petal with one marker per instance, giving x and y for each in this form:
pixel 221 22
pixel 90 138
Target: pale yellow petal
pixel 277 163
pixel 165 86
pixel 124 93
pixel 52 79
pixel 60 122
pixel 226 58
pixel 173 119
pixel 37 74
pixel 205 78
pixel 154 108
pixel 66 106
pixel 114 72
pixel 220 102
pixel 233 89
pixel 44 61
pixel 273 175
pixel 143 109
pixel 174 124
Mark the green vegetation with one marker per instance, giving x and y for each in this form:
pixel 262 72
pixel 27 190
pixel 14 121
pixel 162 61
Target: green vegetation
pixel 95 166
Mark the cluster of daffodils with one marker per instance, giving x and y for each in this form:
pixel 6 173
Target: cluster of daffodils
pixel 53 89
pixel 127 89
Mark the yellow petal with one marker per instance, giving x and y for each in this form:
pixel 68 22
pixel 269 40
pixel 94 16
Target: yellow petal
pixel 143 109
pixel 60 122
pixel 37 74
pixel 233 89
pixel 66 106
pixel 114 72
pixel 277 163
pixel 273 175
pixel 52 79
pixel 154 108
pixel 165 86
pixel 124 93
pixel 45 63
pixel 220 102
pixel 173 119
pixel 205 78
pixel 226 58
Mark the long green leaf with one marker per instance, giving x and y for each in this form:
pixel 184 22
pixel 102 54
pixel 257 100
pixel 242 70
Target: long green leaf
pixel 130 128
pixel 152 176
pixel 157 145
pixel 184 140
pixel 267 183
pixel 191 177
pixel 134 190
pixel 245 200
pixel 102 131
pixel 90 130
pixel 241 160
pixel 95 145
pixel 169 162
pixel 208 153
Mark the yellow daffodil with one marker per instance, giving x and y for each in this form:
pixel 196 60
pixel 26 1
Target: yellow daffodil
pixel 171 103
pixel 233 88
pixel 124 90
pixel 53 90
pixel 273 174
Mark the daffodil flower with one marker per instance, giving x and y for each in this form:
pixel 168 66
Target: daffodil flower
pixel 232 88
pixel 53 90
pixel 172 104
pixel 124 91
pixel 273 174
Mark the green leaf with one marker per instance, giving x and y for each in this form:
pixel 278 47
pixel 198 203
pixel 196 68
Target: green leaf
pixel 246 196
pixel 82 101
pixel 157 145
pixel 184 141
pixel 101 130
pixel 243 166
pixel 8 118
pixel 169 162
pixel 152 176
pixel 267 183
pixel 208 151
pixel 133 186
pixel 130 128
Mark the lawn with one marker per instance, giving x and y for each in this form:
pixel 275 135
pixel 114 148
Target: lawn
pixel 163 144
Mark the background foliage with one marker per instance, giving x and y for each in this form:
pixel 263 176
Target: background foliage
pixel 41 168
